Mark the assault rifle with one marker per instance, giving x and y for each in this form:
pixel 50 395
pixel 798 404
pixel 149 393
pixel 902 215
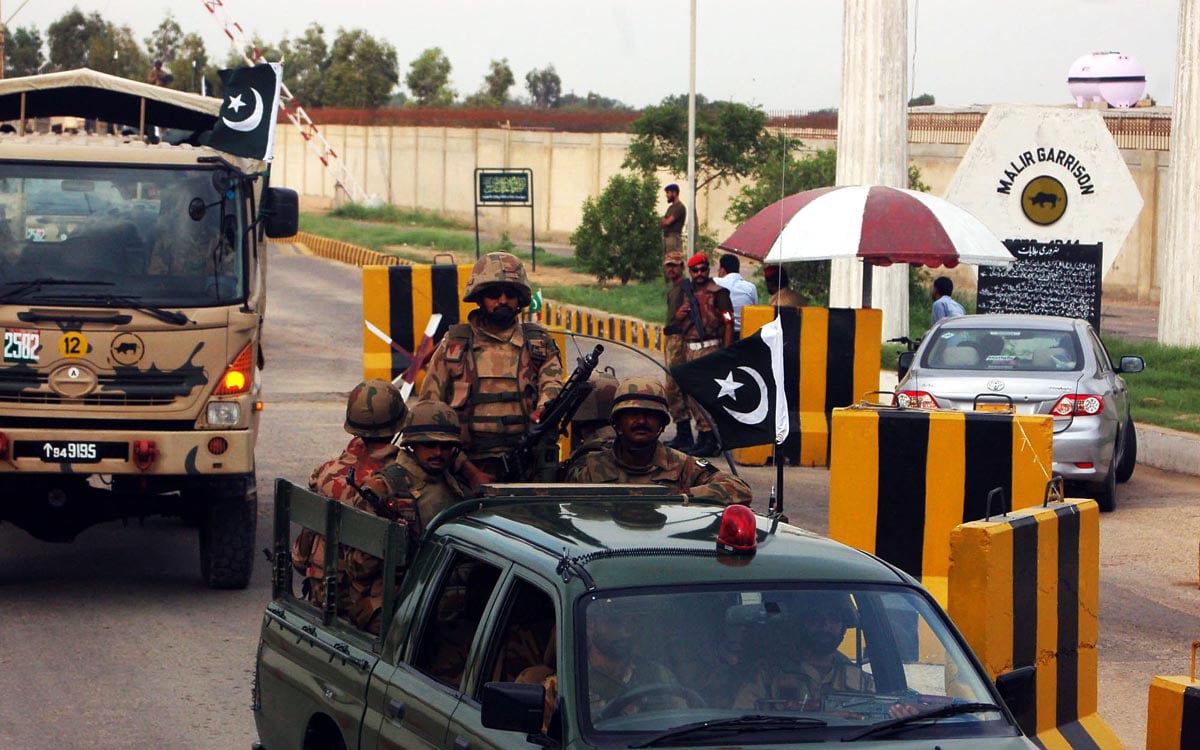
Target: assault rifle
pixel 693 307
pixel 531 454
pixel 384 507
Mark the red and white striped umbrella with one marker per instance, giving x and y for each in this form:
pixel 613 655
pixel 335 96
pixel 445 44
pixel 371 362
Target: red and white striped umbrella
pixel 880 225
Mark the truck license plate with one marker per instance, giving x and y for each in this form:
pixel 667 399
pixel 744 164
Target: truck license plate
pixel 69 451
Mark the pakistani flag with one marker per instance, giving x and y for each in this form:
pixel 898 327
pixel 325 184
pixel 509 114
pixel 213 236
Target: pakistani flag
pixel 246 123
pixel 742 387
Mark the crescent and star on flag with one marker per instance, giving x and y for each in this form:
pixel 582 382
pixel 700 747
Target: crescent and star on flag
pixel 253 120
pixel 729 387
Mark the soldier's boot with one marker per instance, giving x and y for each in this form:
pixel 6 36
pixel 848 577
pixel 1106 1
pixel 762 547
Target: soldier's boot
pixel 683 440
pixel 706 445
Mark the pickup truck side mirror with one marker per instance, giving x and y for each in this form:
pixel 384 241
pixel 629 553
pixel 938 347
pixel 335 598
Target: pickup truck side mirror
pixel 513 707
pixel 1018 688
pixel 904 364
pixel 1130 364
pixel 282 212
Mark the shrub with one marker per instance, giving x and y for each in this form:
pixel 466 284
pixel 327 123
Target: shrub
pixel 619 236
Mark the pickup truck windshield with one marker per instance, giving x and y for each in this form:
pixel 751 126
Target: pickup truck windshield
pixel 773 665
pixel 157 236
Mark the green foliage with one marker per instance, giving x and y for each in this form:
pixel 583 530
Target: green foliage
pixel 619 236
pixel 1165 393
pixel 191 63
pixel 428 78
pixel 69 38
pixel 413 217
pixel 23 51
pixel 544 86
pixel 731 140
pixel 498 81
pixel 924 100
pixel 117 51
pixel 307 61
pixel 642 300
pixel 591 101
pixel 361 72
pixel 269 52
pixel 164 42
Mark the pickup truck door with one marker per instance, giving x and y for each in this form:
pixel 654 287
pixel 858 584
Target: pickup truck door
pixel 424 687
pixel 523 640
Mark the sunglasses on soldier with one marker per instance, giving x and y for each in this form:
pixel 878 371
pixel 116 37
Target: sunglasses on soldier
pixel 495 292
pixel 698 269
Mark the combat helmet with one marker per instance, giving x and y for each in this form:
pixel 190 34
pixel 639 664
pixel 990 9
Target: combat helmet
pixel 374 409
pixel 597 406
pixel 498 268
pixel 641 393
pixel 430 422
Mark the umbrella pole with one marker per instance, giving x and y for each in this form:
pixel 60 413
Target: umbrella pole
pixel 866 284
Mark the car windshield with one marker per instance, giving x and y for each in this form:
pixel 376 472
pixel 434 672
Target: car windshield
pixel 1003 349
pixel 812 663
pixel 126 233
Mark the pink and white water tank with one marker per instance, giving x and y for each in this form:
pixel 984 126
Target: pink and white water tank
pixel 1111 77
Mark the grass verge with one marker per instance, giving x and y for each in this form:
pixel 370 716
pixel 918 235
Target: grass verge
pixel 413 217
pixel 647 301
pixel 1165 394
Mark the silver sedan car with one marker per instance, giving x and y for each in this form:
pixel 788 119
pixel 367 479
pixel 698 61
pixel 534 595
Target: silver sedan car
pixel 1034 365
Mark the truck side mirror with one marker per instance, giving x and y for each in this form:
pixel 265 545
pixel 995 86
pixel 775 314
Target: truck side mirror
pixel 904 364
pixel 1018 689
pixel 512 707
pixel 282 212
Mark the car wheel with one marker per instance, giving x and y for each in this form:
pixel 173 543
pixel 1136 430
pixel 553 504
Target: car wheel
pixel 1105 493
pixel 1128 460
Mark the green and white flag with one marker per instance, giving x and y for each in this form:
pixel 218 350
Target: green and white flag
pixel 246 123
pixel 535 306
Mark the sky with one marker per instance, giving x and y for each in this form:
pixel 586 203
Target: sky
pixel 778 54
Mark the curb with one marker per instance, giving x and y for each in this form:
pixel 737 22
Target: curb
pixel 1169 450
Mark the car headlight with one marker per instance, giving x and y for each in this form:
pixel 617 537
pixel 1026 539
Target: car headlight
pixel 224 413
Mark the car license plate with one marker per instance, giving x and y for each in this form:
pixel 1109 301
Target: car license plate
pixel 69 451
pixel 1005 408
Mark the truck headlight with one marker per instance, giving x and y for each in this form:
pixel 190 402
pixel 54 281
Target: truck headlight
pixel 224 413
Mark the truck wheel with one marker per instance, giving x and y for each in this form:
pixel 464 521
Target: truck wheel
pixel 227 532
pixel 1128 461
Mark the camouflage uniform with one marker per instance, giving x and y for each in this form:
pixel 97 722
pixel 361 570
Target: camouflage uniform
pixel 373 410
pixel 673 344
pixel 594 413
pixel 183 247
pixel 417 494
pixel 694 477
pixel 800 684
pixel 495 381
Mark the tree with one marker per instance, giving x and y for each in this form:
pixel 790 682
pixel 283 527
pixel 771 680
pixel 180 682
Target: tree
pixel 23 51
pixel 591 101
pixel 498 81
pixel 69 38
pixel 270 53
pixel 190 64
pixel 116 51
pixel 427 79
pixel 924 100
pixel 164 42
pixel 307 60
pixel 362 71
pixel 619 235
pixel 544 86
pixel 731 140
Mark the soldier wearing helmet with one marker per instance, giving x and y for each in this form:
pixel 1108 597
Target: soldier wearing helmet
pixel 591 427
pixel 496 372
pixel 639 414
pixel 374 411
pixel 419 485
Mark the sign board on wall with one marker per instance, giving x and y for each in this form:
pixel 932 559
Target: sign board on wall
pixel 1047 279
pixel 1047 175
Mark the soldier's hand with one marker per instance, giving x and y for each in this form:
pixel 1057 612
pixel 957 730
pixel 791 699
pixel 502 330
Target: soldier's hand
pixel 476 476
pixel 684 310
pixel 536 415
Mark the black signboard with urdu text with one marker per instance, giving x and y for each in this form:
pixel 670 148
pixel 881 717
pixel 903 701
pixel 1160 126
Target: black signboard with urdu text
pixel 1047 278
pixel 505 187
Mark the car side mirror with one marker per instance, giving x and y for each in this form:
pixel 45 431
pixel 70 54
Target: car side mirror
pixel 1130 364
pixel 1018 689
pixel 512 707
pixel 282 212
pixel 904 364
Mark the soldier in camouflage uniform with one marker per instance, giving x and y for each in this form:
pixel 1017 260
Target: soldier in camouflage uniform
pixel 673 354
pixel 374 410
pixel 591 427
pixel 495 371
pixel 186 247
pixel 414 489
pixel 640 414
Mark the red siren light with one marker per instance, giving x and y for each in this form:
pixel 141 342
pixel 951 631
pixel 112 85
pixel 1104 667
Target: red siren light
pixel 738 531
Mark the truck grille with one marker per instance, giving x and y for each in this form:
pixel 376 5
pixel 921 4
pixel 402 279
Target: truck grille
pixel 141 389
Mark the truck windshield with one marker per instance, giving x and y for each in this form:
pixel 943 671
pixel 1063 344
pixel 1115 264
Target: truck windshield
pixel 128 230
pixel 735 666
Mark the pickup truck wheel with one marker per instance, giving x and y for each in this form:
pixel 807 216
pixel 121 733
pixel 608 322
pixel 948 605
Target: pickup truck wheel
pixel 227 532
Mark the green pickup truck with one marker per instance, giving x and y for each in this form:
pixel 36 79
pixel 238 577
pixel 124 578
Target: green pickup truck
pixel 582 616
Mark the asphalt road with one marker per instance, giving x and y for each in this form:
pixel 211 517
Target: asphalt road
pixel 113 642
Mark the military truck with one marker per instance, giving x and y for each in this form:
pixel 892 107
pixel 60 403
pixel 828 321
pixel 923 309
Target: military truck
pixel 581 616
pixel 132 295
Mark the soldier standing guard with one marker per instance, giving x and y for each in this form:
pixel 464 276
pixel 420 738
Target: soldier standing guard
pixel 673 354
pixel 639 414
pixel 374 410
pixel 705 319
pixel 495 371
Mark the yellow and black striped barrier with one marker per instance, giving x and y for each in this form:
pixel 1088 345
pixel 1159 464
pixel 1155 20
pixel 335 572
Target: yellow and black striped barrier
pixel 343 252
pixel 1025 591
pixel 617 328
pixel 901 480
pixel 1173 717
pixel 397 301
pixel 839 352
